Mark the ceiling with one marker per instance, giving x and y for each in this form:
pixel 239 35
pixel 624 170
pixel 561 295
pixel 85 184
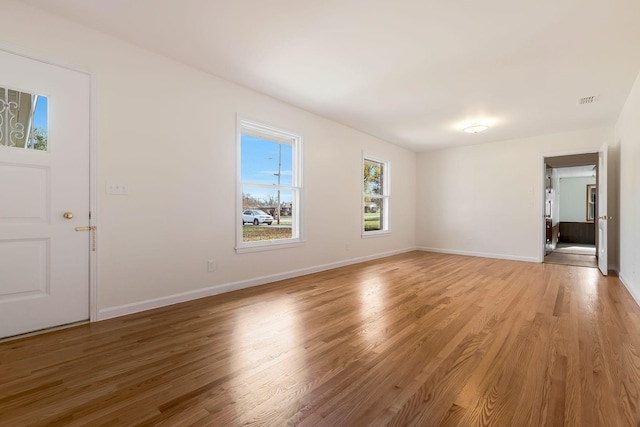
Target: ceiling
pixel 411 72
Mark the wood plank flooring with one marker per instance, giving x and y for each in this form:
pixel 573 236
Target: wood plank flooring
pixel 418 339
pixel 577 260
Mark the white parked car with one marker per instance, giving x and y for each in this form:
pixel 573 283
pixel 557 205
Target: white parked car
pixel 256 217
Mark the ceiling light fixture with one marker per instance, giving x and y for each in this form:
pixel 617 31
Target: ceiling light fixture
pixel 475 128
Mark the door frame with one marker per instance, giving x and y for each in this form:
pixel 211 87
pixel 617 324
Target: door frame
pixel 541 200
pixel 93 161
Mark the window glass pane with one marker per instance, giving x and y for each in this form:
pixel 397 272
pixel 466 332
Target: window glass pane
pixel 265 161
pixel 373 177
pixel 23 120
pixel 260 214
pixel 374 211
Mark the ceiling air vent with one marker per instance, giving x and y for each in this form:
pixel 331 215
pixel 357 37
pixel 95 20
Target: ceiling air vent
pixel 588 99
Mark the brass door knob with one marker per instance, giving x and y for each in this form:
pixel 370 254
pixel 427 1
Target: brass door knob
pixel 68 215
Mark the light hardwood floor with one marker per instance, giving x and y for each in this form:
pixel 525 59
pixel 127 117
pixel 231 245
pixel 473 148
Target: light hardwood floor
pixel 418 339
pixel 577 260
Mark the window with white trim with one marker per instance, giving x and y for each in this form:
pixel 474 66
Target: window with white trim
pixel 375 196
pixel 269 187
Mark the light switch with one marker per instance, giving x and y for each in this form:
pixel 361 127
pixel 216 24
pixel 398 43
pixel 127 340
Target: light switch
pixel 117 187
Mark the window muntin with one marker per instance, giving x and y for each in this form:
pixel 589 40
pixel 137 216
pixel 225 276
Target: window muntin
pixel 375 196
pixel 270 181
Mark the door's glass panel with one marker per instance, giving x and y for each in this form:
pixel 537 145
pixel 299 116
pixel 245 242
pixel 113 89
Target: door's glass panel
pixel 23 120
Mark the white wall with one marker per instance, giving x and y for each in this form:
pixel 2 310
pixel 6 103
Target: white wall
pixel 628 142
pixel 488 199
pixel 573 198
pixel 168 131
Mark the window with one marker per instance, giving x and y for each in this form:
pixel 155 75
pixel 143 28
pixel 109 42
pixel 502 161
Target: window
pixel 269 189
pixel 375 196
pixel 23 120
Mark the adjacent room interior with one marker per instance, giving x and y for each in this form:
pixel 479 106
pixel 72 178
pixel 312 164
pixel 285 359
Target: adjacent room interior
pixel 319 213
pixel 571 210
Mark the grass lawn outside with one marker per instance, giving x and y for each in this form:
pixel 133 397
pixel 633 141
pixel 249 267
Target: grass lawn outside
pixel 371 221
pixel 255 233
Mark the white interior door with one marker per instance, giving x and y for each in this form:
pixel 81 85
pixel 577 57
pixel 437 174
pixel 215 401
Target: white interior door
pixel 44 262
pixel 602 211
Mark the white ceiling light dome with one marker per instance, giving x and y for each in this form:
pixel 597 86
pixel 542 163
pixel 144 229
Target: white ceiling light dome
pixel 475 128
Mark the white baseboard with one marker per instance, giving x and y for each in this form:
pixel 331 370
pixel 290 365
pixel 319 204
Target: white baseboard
pixel 627 284
pixel 479 254
pixel 136 307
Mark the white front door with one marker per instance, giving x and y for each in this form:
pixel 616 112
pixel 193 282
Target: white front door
pixel 602 210
pixel 44 173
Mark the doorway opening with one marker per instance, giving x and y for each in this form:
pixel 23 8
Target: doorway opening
pixel 571 210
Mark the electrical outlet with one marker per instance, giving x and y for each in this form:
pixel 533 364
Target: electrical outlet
pixel 211 265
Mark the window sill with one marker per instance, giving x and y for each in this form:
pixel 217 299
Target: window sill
pixel 269 245
pixel 371 234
